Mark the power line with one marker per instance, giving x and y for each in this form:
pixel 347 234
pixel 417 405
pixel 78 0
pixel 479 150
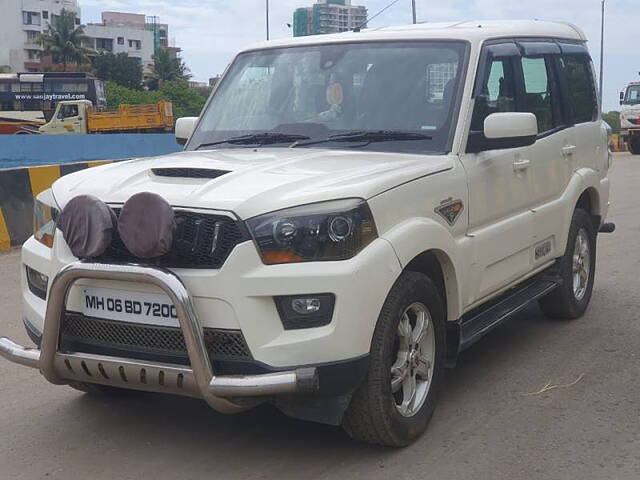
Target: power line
pixel 357 29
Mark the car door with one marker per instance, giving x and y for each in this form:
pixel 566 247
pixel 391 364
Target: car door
pixel 553 155
pixel 582 103
pixel 499 182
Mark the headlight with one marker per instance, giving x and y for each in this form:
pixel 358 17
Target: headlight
pixel 335 230
pixel 45 215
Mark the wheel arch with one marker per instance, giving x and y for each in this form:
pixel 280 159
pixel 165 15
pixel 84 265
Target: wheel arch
pixel 438 266
pixel 426 246
pixel 589 201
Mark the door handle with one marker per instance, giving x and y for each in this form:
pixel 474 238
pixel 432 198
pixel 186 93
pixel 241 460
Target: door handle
pixel 521 165
pixel 568 150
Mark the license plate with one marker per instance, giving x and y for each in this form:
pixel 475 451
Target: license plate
pixel 134 307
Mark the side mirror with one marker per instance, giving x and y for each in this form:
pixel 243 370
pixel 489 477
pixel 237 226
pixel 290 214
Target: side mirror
pixel 184 128
pixel 510 125
pixel 504 130
pixel 621 98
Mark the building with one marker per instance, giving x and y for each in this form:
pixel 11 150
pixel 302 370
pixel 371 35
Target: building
pixel 137 35
pixel 123 34
pixel 21 23
pixel 328 16
pixel 24 20
pixel 160 30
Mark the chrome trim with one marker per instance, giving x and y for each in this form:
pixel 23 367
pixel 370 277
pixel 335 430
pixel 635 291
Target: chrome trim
pixel 198 381
pixel 206 211
pixel 29 357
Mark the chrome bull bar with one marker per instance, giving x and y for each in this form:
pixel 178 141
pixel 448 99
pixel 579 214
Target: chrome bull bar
pixel 198 380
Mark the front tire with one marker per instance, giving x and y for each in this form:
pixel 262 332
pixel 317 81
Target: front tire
pixel 395 402
pixel 577 270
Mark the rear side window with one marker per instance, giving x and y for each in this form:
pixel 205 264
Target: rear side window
pixel 540 98
pixel 582 93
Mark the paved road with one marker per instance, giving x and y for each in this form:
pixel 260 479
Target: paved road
pixel 484 428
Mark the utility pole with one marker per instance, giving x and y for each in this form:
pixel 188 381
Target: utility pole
pixel 602 52
pixel 267 11
pixel 413 8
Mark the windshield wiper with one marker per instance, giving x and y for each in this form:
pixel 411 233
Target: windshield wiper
pixel 265 138
pixel 368 137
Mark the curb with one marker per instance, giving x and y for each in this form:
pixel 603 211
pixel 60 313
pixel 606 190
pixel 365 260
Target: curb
pixel 18 188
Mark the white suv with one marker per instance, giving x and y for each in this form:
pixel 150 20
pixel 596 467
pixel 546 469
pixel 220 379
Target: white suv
pixel 349 213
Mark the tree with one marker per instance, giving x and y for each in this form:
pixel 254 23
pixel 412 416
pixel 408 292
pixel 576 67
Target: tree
pixel 120 68
pixel 186 101
pixel 63 40
pixel 167 67
pixel 613 119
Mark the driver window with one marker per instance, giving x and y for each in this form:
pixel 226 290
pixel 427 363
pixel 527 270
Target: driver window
pixel 498 92
pixel 67 111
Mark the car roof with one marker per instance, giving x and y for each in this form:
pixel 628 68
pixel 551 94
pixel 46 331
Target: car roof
pixel 472 31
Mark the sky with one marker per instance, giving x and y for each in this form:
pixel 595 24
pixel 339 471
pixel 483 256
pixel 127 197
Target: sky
pixel 210 32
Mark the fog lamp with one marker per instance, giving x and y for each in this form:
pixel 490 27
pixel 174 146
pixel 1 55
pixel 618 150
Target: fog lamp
pixel 305 306
pixel 305 311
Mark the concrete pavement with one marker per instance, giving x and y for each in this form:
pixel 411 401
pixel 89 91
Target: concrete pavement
pixel 486 426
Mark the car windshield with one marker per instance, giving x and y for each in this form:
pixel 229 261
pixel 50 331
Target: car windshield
pixel 386 96
pixel 633 95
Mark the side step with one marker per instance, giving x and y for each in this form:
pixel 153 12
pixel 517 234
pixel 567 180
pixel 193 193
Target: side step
pixel 478 322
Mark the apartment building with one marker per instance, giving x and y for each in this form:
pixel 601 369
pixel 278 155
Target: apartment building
pixel 120 37
pixel 21 23
pixel 328 16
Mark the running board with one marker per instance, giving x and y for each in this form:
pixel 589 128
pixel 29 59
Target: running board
pixel 480 321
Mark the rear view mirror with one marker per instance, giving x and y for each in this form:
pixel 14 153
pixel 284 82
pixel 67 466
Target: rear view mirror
pixel 504 130
pixel 184 129
pixel 621 98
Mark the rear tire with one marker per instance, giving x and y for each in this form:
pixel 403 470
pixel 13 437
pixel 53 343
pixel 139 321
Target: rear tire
pixel 577 270
pixel 634 144
pixel 395 402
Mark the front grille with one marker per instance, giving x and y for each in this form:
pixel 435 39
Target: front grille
pixel 201 240
pixel 79 333
pixel 208 173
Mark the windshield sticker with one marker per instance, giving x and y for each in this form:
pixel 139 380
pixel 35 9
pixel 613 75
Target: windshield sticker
pixel 335 95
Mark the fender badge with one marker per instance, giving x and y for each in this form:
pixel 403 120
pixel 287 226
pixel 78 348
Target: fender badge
pixel 450 210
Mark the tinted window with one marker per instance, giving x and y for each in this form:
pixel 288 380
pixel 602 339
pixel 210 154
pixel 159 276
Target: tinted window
pixel 498 93
pixel 537 89
pixel 583 98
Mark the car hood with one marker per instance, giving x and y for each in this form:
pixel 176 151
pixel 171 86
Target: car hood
pixel 253 181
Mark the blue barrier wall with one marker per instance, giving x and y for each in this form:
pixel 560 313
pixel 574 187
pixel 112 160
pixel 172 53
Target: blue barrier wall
pixel 29 150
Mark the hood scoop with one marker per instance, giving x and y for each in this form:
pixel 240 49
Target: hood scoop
pixel 189 172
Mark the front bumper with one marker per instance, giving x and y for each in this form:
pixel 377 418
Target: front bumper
pixel 199 380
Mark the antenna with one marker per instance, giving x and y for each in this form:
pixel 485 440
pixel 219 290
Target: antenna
pixel 357 29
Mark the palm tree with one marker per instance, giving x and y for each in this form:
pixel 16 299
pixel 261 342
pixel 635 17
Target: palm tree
pixel 167 67
pixel 64 40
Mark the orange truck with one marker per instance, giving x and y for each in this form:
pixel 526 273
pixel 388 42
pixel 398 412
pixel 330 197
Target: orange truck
pixel 80 117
